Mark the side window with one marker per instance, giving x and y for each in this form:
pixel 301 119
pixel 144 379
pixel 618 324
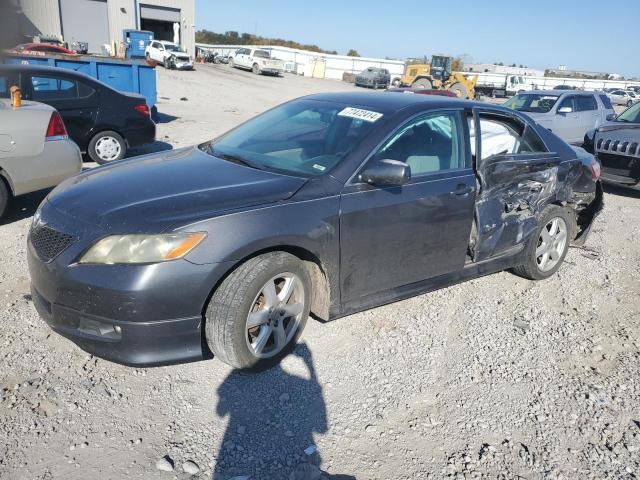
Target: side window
pixel 52 88
pixel 430 143
pixel 606 102
pixel 506 136
pixel 84 90
pixel 587 103
pixel 568 102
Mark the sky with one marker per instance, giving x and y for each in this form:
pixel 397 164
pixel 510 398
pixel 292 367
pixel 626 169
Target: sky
pixel 583 35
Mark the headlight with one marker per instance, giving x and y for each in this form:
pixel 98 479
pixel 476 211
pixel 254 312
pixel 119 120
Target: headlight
pixel 142 248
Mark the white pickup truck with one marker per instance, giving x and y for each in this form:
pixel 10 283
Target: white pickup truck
pixel 257 60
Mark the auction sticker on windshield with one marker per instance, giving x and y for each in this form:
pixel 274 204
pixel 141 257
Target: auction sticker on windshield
pixel 365 115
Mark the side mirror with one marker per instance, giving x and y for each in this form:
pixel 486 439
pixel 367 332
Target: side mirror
pixel 611 117
pixel 565 110
pixel 387 172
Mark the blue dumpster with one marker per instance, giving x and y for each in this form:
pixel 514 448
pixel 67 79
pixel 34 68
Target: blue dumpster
pixel 124 75
pixel 136 41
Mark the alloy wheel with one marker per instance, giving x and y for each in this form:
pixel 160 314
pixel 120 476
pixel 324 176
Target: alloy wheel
pixel 275 315
pixel 551 244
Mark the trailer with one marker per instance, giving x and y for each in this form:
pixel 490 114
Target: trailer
pixel 124 75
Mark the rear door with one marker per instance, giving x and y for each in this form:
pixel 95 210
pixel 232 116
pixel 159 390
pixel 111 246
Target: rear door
pixel 588 113
pixel 517 176
pixel 392 236
pixel 76 100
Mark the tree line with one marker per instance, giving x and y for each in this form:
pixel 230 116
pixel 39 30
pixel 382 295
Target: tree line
pixel 236 38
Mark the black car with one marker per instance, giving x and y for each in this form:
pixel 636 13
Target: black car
pixel 330 204
pixel 373 77
pixel 616 144
pixel 102 121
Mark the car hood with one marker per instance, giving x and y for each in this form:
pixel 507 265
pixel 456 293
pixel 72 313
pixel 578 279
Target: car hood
pixel 156 192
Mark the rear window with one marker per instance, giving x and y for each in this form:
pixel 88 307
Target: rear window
pixel 261 54
pixel 606 101
pixel 586 103
pixel 53 88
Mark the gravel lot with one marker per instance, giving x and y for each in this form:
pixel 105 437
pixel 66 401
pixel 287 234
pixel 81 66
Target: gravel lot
pixel 499 377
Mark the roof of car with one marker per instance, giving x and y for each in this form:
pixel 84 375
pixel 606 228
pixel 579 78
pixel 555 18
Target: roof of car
pixel 557 93
pixel 393 102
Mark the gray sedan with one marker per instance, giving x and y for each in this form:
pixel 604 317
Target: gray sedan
pixel 568 114
pixel 623 97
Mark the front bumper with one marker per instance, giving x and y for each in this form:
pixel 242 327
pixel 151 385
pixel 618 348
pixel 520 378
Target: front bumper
pixel 139 315
pixel 184 64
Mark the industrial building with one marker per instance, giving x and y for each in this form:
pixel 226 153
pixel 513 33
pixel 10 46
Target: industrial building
pixel 100 22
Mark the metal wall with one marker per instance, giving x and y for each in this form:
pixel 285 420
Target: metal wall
pixel 121 14
pixel 42 17
pixel 75 27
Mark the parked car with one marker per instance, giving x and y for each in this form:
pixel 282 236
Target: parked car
pixel 623 97
pixel 43 48
pixel 422 91
pixel 567 114
pixel 331 203
pixel 373 77
pixel 35 150
pixel 257 60
pixel 168 54
pixel 616 144
pixel 102 121
pixel 564 87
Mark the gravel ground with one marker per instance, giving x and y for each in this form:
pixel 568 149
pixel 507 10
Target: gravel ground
pixel 498 377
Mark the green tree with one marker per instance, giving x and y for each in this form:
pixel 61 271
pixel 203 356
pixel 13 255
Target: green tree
pixel 353 53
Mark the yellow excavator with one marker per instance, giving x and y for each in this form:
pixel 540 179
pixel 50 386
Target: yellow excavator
pixel 438 75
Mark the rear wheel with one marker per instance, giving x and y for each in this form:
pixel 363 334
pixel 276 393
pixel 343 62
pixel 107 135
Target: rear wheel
pixel 256 69
pixel 231 63
pixel 548 248
pixel 396 82
pixel 422 83
pixel 4 197
pixel 459 90
pixel 107 146
pixel 257 314
pixel 629 103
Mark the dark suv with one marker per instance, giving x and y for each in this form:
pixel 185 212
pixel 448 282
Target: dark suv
pixel 102 121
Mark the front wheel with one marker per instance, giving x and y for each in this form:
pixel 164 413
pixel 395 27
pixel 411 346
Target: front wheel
pixel 4 197
pixel 629 103
pixel 548 247
pixel 257 314
pixel 106 147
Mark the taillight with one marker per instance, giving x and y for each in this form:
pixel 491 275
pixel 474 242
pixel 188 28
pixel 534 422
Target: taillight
pixel 143 108
pixel 595 169
pixel 56 129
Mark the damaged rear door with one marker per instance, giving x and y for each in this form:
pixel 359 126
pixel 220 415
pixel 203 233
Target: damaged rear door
pixel 518 176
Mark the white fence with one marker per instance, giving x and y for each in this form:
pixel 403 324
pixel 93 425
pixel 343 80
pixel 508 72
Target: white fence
pixel 305 62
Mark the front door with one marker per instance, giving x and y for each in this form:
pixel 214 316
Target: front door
pixel 76 101
pixel 567 125
pixel 392 236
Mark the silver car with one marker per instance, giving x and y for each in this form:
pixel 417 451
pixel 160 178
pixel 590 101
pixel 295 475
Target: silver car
pixel 569 114
pixel 623 97
pixel 35 150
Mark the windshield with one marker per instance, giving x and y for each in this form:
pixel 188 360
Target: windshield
pixel 173 47
pixel 302 137
pixel 532 102
pixel 630 115
pixel 261 54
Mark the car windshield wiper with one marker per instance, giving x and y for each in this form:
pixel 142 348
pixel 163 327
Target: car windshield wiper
pixel 232 158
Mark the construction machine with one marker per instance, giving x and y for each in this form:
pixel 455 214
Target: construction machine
pixel 438 75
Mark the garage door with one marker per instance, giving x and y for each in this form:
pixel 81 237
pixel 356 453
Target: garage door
pixel 164 14
pixel 85 21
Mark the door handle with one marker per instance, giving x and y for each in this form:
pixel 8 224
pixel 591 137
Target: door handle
pixel 462 190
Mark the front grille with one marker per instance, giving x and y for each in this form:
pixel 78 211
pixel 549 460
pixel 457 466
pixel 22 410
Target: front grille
pixel 49 243
pixel 620 165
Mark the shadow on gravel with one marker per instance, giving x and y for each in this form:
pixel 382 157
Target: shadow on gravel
pixel 23 206
pixel 621 192
pixel 272 419
pixel 154 147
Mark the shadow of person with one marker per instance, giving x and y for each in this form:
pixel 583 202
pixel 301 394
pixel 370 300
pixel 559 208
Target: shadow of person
pixel 272 419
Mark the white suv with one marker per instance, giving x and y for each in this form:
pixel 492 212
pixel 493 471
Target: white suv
pixel 168 54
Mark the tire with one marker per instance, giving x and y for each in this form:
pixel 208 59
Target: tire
pixel 227 331
pixel 422 83
pixel 256 69
pixel 629 103
pixel 232 63
pixel 4 196
pixel 534 268
pixel 396 82
pixel 459 90
pixel 107 146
